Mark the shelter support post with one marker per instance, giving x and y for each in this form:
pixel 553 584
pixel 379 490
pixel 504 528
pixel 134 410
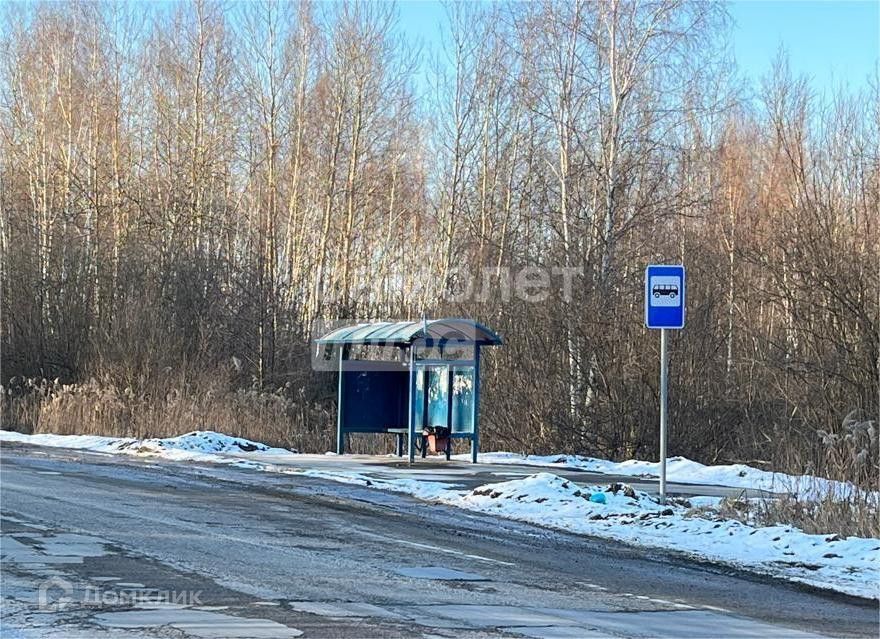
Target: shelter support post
pixel 411 422
pixel 340 434
pixel 475 407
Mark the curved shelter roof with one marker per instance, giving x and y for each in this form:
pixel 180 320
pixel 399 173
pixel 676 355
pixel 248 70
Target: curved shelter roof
pixel 405 333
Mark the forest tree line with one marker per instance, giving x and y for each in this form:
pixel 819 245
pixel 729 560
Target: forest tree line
pixel 186 188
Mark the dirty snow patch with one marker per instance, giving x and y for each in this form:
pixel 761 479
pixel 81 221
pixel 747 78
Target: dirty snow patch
pixel 200 441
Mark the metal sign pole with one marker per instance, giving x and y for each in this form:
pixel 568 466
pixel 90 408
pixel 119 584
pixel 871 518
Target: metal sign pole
pixel 663 393
pixel 665 292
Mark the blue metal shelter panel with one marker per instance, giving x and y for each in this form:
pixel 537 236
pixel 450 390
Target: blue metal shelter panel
pixel 374 401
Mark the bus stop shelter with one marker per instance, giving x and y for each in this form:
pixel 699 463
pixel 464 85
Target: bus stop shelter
pixel 408 379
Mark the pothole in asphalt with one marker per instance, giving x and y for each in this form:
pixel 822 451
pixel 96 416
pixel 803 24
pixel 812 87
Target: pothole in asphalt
pixel 496 616
pixel 49 548
pixel 199 623
pixel 439 573
pixel 343 609
pixel 481 587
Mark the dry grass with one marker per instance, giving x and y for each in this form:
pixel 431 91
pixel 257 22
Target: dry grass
pixel 99 408
pixel 857 516
pixel 851 454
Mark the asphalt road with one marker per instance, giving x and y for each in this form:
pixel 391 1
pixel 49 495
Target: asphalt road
pixel 145 548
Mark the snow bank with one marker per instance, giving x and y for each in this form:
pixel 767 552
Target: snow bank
pixel 201 441
pixel 78 442
pixel 200 445
pixel 685 471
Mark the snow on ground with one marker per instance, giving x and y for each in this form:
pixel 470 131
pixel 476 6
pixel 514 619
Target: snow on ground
pixel 203 445
pixel 201 442
pixel 79 442
pixel 682 470
pixel 849 565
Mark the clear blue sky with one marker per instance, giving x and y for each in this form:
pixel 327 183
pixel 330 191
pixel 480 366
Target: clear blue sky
pixel 831 41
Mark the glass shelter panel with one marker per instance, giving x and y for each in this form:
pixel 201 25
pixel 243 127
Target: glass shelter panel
pixel 437 396
pixel 463 400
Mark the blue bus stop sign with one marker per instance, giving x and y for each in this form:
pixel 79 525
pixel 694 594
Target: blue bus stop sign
pixel 664 296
